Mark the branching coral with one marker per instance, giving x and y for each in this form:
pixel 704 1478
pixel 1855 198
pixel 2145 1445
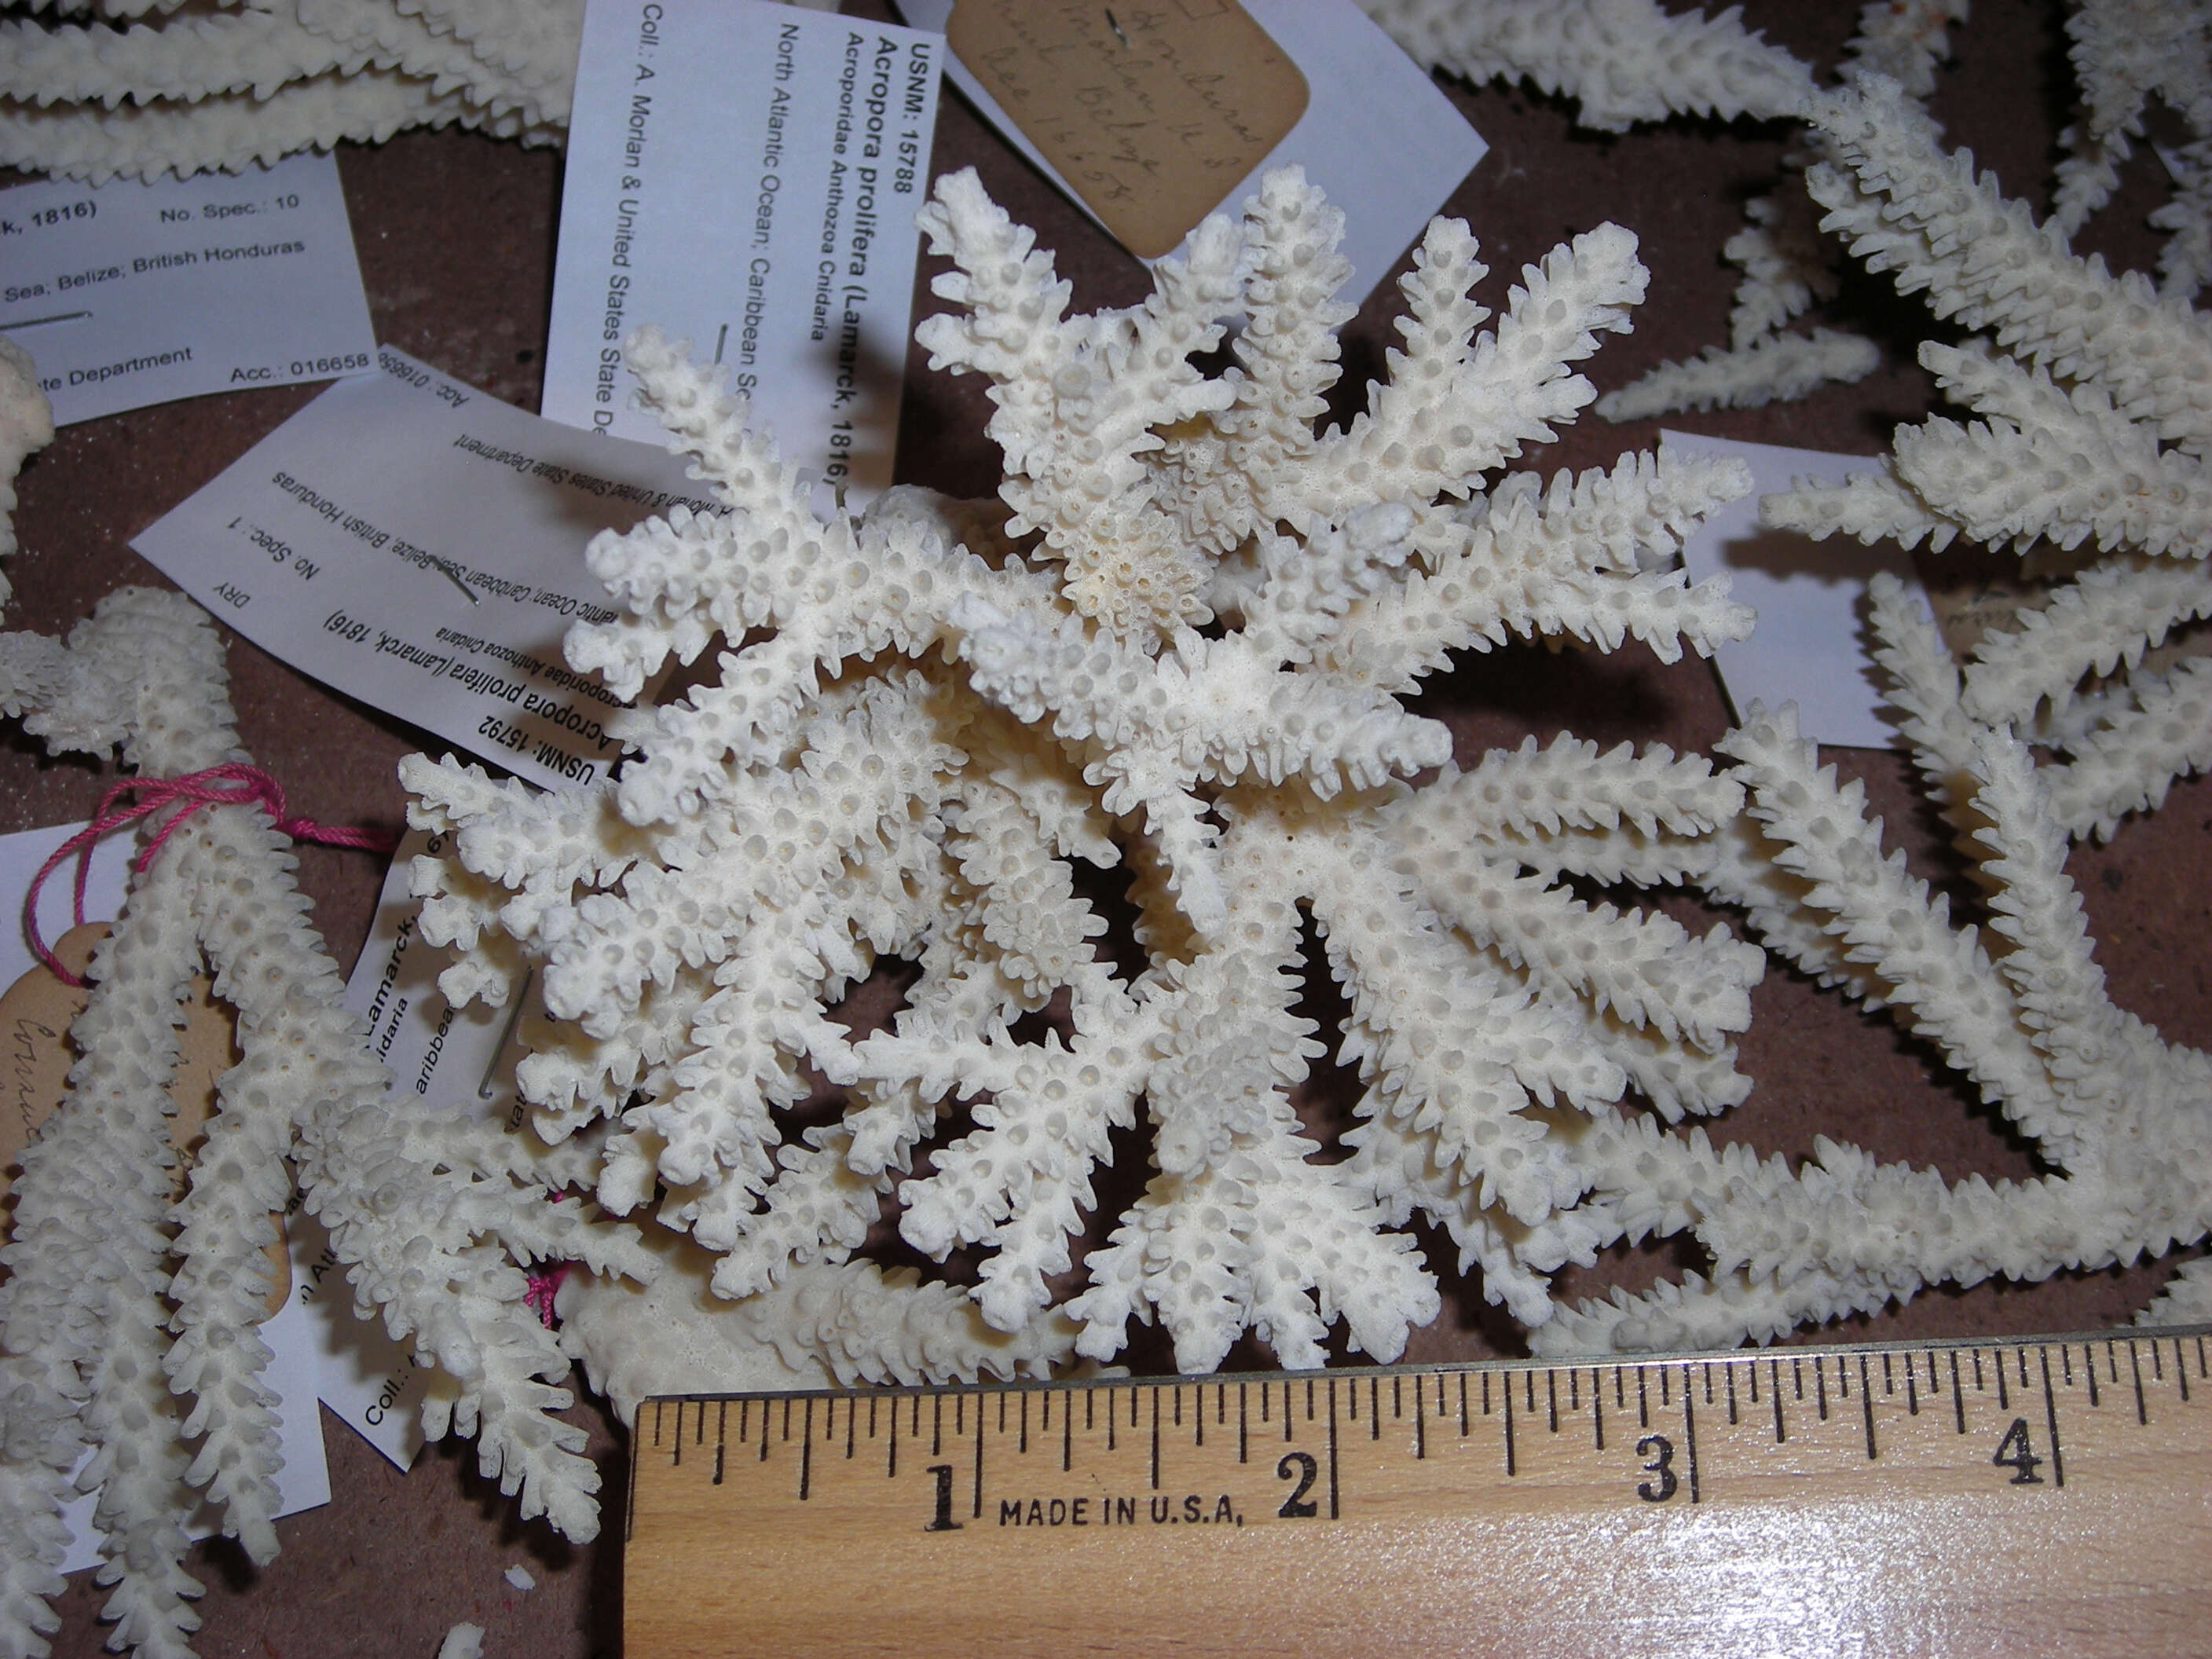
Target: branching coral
pixel 1176 645
pixel 127 1326
pixel 1621 61
pixel 2096 395
pixel 2017 1006
pixel 2124 52
pixel 1785 266
pixel 2096 398
pixel 256 80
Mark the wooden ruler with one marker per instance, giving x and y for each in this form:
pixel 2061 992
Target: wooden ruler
pixel 2044 1495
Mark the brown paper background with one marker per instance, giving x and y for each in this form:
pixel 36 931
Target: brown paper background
pixel 1045 64
pixel 456 237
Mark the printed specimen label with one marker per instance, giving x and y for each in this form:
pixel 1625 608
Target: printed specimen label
pixel 128 293
pixel 420 545
pixel 744 176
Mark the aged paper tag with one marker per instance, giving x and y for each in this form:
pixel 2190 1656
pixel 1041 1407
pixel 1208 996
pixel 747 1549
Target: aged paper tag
pixel 1151 113
pixel 1968 609
pixel 1378 137
pixel 36 1014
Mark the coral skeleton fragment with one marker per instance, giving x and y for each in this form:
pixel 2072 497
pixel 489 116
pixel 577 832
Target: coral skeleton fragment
pixel 1101 787
pixel 1175 648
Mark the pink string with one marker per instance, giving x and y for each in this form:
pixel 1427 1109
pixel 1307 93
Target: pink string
pixel 540 1288
pixel 234 784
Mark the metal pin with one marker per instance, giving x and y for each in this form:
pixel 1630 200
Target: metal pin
pixel 454 577
pixel 32 322
pixel 1114 24
pixel 513 1019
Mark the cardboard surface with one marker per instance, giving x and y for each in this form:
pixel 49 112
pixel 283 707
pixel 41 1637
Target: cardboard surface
pixel 456 238
pixel 1144 122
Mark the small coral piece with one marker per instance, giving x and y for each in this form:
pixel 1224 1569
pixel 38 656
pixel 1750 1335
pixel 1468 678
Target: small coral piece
pixel 1621 61
pixel 819 1325
pixel 127 1324
pixel 1177 646
pixel 27 426
pixel 255 81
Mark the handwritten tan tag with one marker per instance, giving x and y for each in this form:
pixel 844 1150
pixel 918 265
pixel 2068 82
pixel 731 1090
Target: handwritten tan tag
pixel 35 1015
pixel 1151 113
pixel 1969 608
pixel 1966 607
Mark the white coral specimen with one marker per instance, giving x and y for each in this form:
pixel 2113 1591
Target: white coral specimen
pixel 1786 267
pixel 817 1327
pixel 27 426
pixel 2096 398
pixel 2017 1006
pixel 2124 52
pixel 1177 645
pixel 1621 61
pixel 255 79
pixel 2096 414
pixel 127 1325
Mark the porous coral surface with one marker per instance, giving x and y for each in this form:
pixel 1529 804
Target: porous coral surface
pixel 454 235
pixel 1177 649
pixel 127 1321
pixel 136 91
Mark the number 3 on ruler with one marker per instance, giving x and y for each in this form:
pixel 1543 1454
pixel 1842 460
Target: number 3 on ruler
pixel 1662 1465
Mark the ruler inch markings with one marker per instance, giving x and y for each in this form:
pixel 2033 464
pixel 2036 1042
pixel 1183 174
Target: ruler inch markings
pixel 1690 1432
pixel 1866 1407
pixel 1508 1392
pixel 1737 1450
pixel 1334 1509
pixel 2051 1421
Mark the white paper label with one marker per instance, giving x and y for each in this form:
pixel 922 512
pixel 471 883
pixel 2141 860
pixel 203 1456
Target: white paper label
pixel 1810 645
pixel 461 1061
pixel 371 1382
pixel 745 175
pixel 1384 145
pixel 460 1058
pixel 420 545
pixel 304 1481
pixel 128 293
